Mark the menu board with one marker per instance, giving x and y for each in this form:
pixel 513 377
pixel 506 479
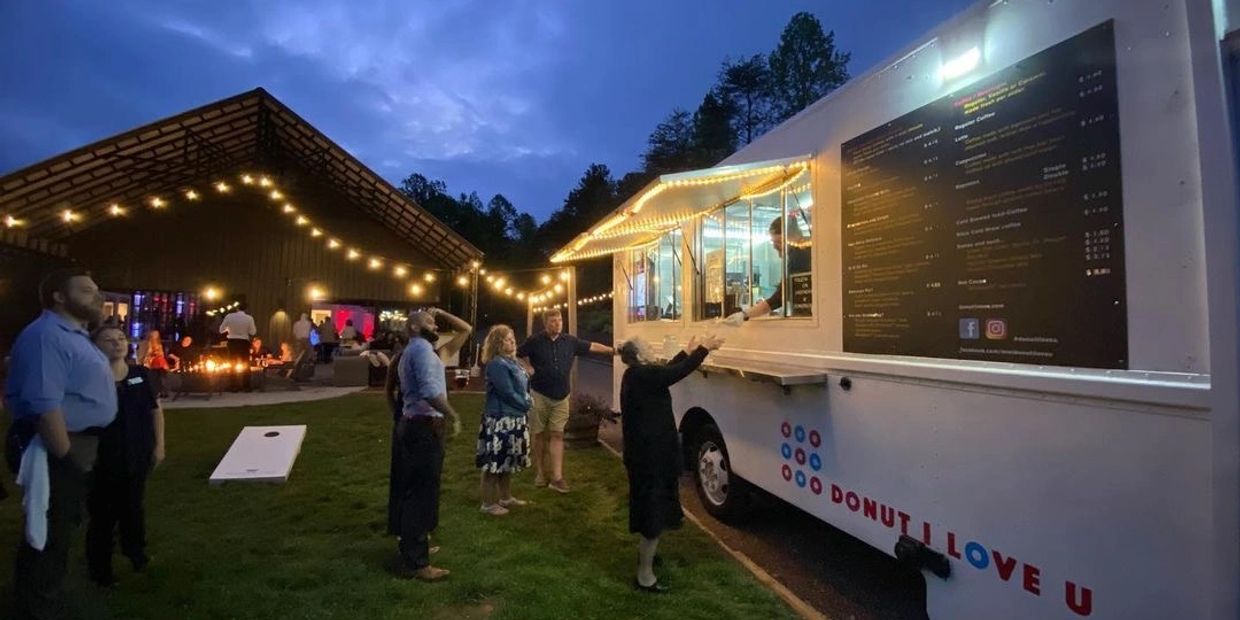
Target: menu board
pixel 802 298
pixel 988 224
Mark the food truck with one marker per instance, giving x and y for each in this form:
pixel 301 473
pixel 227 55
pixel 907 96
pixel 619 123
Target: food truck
pixel 1003 344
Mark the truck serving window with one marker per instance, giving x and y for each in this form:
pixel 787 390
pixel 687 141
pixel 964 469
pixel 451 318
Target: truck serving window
pixel 757 248
pixel 654 272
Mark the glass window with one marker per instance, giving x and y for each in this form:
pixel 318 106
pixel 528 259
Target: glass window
pixel 798 242
pixel 709 267
pixel 655 288
pixel 736 239
pixel 757 249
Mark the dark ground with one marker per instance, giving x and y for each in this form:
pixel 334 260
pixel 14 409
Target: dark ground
pixel 840 576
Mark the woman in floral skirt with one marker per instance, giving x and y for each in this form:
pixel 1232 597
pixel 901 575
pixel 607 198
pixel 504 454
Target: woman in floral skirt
pixel 503 439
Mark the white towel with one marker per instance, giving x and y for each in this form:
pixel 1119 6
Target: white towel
pixel 32 477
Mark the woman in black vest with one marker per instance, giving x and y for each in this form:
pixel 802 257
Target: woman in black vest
pixel 651 446
pixel 128 449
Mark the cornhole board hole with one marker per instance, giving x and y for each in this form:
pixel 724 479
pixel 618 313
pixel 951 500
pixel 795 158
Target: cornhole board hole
pixel 261 454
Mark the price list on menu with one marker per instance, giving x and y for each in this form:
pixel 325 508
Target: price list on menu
pixel 987 225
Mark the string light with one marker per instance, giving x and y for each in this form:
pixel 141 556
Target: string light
pixel 12 222
pixel 601 231
pixel 546 279
pixel 415 289
pixel 375 262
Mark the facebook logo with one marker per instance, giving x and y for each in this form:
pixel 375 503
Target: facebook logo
pixel 970 329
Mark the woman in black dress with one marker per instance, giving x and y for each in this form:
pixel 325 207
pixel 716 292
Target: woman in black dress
pixel 651 447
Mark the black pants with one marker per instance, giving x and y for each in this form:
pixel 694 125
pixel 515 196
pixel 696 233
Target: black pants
pixel 39 578
pixel 419 467
pixel 239 351
pixel 115 499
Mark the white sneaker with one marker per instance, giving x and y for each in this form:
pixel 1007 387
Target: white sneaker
pixel 512 501
pixel 495 510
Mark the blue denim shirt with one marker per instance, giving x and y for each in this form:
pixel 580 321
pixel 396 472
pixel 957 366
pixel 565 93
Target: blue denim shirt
pixel 421 377
pixel 56 366
pixel 507 389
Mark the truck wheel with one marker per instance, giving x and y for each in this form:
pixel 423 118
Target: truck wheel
pixel 725 496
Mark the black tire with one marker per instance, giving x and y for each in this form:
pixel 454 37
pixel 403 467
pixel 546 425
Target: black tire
pixel 724 495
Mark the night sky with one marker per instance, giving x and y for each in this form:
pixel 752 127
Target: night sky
pixel 514 97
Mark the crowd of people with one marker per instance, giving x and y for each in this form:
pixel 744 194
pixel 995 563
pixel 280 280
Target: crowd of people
pixel 527 392
pixel 88 429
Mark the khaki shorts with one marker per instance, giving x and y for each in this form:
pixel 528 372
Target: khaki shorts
pixel 547 414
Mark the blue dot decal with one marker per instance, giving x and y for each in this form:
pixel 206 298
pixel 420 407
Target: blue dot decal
pixel 800 478
pixel 800 433
pixel 786 450
pixel 815 462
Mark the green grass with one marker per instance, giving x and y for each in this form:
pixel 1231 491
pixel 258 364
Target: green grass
pixel 316 548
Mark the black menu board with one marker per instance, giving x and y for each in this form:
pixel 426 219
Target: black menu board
pixel 988 224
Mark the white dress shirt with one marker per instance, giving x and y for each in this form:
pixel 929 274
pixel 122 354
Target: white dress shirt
pixel 238 325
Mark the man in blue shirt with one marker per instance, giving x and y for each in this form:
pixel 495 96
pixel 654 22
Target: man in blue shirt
pixel 552 353
pixel 60 387
pixel 420 448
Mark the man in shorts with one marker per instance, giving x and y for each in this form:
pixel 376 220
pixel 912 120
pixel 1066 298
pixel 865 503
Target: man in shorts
pixel 551 353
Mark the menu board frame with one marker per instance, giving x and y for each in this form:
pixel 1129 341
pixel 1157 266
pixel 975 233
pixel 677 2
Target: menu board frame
pixel 988 224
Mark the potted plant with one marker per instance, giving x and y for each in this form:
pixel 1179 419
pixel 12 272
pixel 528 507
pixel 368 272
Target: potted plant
pixel 585 413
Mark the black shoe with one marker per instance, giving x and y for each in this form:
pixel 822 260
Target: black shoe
pixel 655 588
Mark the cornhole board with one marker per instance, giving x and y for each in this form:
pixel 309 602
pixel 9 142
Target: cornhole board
pixel 261 454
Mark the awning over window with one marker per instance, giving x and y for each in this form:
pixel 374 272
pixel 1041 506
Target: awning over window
pixel 673 200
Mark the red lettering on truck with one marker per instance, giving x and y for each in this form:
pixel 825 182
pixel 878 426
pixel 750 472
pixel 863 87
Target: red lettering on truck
pixel 1083 603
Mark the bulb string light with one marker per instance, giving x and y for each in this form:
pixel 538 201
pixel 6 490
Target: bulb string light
pixel 416 282
pixel 612 226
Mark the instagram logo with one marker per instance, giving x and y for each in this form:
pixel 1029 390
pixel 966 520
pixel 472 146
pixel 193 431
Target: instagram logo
pixel 996 329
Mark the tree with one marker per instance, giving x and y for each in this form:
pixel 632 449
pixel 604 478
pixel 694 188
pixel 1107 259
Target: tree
pixel 805 66
pixel 713 137
pixel 746 84
pixel 422 189
pixel 669 147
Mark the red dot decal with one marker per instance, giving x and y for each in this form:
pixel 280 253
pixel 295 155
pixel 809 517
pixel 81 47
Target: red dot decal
pixel 800 456
pixel 815 439
pixel 787 473
pixel 786 429
pixel 815 485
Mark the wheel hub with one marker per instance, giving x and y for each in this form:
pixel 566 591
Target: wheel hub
pixel 713 473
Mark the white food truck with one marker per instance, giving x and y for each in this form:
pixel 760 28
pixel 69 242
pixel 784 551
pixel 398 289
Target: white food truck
pixel 1002 268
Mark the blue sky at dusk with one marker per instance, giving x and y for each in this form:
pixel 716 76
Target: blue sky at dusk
pixel 514 97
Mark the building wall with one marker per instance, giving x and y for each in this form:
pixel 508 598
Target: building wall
pixel 246 247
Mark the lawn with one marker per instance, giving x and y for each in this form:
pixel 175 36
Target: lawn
pixel 316 548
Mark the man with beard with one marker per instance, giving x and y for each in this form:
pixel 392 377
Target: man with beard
pixel 418 457
pixel 61 395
